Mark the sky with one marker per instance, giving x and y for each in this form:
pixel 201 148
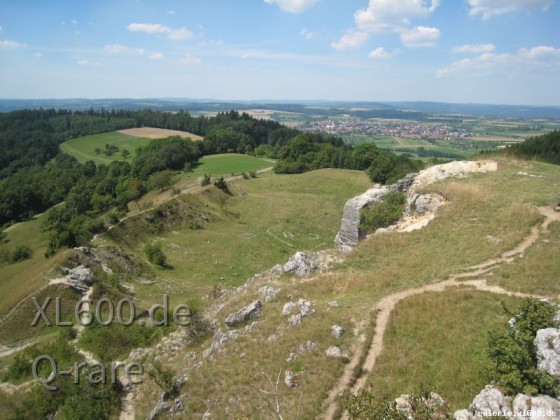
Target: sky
pixel 466 51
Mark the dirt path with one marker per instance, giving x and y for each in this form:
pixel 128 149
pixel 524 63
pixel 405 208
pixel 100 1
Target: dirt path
pixel 384 308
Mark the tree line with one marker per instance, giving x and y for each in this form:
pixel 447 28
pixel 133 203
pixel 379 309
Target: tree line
pixel 35 175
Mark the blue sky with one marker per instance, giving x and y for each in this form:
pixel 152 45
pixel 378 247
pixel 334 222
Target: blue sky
pixel 484 51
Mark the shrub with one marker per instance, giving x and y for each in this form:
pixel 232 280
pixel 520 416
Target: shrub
pixel 155 254
pixel 513 352
pixel 221 184
pixel 206 180
pixel 383 214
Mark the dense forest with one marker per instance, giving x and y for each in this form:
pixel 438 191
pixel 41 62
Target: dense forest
pixel 545 148
pixel 35 175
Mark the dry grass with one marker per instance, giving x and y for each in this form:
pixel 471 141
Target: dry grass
pixel 158 133
pixel 437 342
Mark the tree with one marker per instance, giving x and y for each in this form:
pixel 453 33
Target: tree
pixel 125 153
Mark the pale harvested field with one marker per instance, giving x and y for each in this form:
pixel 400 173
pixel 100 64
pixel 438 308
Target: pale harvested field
pixel 157 133
pixel 496 138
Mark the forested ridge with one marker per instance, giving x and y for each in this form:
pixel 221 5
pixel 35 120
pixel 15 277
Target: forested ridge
pixel 35 175
pixel 545 148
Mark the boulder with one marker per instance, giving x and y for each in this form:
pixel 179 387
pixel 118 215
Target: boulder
pixel 301 264
pixel 337 331
pixel 547 343
pixel 335 351
pixel 414 407
pixel 490 400
pixel 251 311
pixel 420 204
pixel 288 308
pixel 539 407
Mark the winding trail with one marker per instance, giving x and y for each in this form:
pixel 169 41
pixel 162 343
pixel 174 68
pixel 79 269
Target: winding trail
pixel 384 308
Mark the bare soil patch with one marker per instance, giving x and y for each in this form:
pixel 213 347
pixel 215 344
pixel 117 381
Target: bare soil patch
pixel 158 133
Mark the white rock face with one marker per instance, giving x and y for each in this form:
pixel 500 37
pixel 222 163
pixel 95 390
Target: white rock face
pixel 348 235
pixel 547 343
pixel 490 400
pixel 452 170
pixel 539 407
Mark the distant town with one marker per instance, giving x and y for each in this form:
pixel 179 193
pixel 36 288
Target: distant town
pixel 395 128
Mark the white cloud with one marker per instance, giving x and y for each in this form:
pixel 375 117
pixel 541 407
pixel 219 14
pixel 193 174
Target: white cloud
pixel 149 28
pixel 307 34
pixel 156 56
pixel 190 60
pixel 1 29
pixel 351 40
pixel 6 44
pixel 473 48
pixel 488 8
pixel 179 34
pixel 524 61
pixel 38 54
pixel 392 15
pixel 88 63
pixel 157 28
pixel 381 54
pixel 122 49
pixel 420 36
pixel 293 6
pixel 171 12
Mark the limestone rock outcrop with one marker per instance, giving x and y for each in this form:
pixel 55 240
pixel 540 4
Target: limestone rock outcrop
pixel 251 311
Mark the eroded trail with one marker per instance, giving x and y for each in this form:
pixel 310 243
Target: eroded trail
pixel 384 308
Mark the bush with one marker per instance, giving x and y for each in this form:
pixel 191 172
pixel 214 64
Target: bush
pixel 513 352
pixel 383 214
pixel 206 180
pixel 155 254
pixel 221 184
pixel 19 253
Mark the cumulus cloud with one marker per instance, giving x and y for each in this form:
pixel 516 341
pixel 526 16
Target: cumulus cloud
pixel 6 44
pixel 392 15
pixel 157 29
pixel 473 48
pixel 420 36
pixel 293 6
pixel 122 49
pixel 351 40
pixel 156 56
pixel 525 60
pixel 381 54
pixel 488 8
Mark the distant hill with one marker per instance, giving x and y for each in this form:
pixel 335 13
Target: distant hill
pixel 501 111
pixel 400 110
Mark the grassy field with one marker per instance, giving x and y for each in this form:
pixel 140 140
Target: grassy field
pixel 265 221
pixel 83 148
pixel 434 341
pixel 437 342
pixel 227 164
pixel 20 279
